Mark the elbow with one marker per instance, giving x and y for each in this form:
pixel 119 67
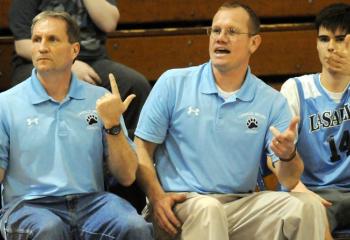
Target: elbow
pixel 290 184
pixel 108 28
pixel 126 181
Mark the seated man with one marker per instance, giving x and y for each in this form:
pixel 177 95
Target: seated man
pixel 206 129
pixel 95 18
pixel 322 102
pixel 55 132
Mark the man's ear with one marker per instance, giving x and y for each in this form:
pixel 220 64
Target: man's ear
pixel 255 42
pixel 75 49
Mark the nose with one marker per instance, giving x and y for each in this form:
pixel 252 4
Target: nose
pixel 43 46
pixel 331 45
pixel 222 35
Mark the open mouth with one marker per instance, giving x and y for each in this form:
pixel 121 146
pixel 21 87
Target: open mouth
pixel 221 50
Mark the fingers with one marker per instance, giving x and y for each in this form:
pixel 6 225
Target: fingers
pixel 347 41
pixel 326 203
pixel 88 79
pixel 164 223
pixel 293 124
pixel 128 100
pixel 179 198
pixel 94 76
pixel 114 86
pixel 165 215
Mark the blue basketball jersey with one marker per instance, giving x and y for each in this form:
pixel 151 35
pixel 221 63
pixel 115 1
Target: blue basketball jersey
pixel 324 135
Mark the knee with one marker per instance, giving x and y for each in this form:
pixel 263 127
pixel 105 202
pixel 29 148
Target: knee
pixel 309 203
pixel 308 209
pixel 137 228
pixel 209 207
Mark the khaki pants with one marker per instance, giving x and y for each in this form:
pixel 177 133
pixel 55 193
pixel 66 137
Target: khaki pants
pixel 262 215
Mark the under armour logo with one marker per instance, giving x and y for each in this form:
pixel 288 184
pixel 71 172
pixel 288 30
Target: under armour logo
pixel 193 110
pixel 32 121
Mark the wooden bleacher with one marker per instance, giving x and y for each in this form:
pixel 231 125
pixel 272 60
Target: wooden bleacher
pixel 157 35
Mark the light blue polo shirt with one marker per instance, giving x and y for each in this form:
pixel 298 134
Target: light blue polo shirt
pixel 207 144
pixel 50 148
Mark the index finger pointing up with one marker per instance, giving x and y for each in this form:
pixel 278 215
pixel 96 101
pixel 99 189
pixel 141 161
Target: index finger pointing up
pixel 114 86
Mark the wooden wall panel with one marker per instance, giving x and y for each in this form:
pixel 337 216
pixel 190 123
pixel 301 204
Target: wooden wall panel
pixel 4 8
pixel 281 53
pixel 6 50
pixel 145 11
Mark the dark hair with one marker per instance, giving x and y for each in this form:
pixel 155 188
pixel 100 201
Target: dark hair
pixel 333 17
pixel 254 22
pixel 72 28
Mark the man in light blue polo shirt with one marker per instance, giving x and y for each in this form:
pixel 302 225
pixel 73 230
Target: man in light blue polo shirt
pixel 200 139
pixel 55 131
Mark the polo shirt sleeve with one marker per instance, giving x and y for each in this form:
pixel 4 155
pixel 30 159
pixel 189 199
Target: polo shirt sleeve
pixel 4 140
pixel 280 118
pixel 156 114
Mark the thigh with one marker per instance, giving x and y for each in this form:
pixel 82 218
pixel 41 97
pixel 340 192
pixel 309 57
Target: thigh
pixel 107 216
pixel 275 215
pixel 128 80
pixel 29 221
pixel 339 212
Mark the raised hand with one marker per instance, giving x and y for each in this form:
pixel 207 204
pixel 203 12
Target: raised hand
pixel 110 107
pixel 339 60
pixel 283 144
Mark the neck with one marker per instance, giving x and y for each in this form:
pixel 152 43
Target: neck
pixel 230 81
pixel 334 82
pixel 56 85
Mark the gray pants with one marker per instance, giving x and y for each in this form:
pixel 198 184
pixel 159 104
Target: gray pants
pixel 263 215
pixel 339 212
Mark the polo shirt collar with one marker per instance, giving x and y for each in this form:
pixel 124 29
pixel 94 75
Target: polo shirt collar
pixel 38 93
pixel 208 85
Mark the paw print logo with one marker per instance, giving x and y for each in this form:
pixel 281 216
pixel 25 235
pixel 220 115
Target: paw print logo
pixel 252 123
pixel 91 119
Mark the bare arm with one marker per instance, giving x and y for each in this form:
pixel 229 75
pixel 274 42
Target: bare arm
pixel 2 174
pixel 288 171
pixel 122 160
pixel 103 14
pixel 162 203
pixel 23 48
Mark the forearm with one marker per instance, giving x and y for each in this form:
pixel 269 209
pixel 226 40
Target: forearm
pixel 103 14
pixel 24 48
pixel 2 174
pixel 288 173
pixel 122 160
pixel 146 173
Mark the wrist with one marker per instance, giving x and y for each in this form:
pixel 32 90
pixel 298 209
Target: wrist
pixel 291 157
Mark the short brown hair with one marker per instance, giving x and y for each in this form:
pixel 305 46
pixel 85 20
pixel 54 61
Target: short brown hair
pixel 71 25
pixel 254 21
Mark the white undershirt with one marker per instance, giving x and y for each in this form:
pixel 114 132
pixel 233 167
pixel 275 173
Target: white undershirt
pixel 224 94
pixel 335 96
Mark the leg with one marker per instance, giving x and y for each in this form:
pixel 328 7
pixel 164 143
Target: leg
pixel 339 213
pixel 202 217
pixel 129 82
pixel 35 222
pixel 276 215
pixel 106 216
